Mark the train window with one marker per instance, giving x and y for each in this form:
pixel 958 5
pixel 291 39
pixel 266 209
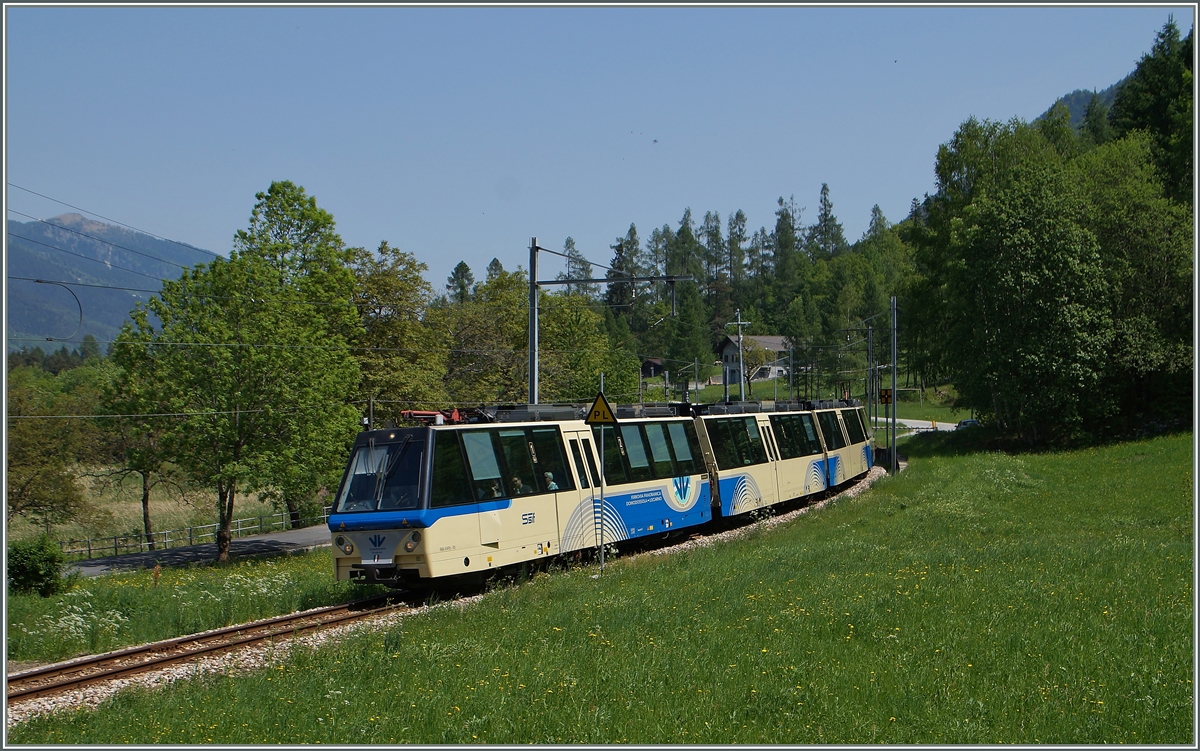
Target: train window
pixel 754 439
pixel 768 437
pixel 583 476
pixel 485 469
pixel 780 426
pixel 660 452
pixel 798 434
pixel 862 419
pixel 515 448
pixel 854 426
pixel 683 443
pixel 804 435
pixel 635 452
pixel 724 448
pixel 450 486
pixel 830 429
pixel 591 460
pixel 614 465
pixel 358 490
pixel 547 444
pixel 402 481
pixel 812 442
pixel 736 442
pixel 383 477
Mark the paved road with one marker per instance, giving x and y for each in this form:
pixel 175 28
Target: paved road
pixel 274 543
pixel 919 424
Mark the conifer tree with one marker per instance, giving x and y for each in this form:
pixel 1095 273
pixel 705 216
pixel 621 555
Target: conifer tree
pixel 825 238
pixel 1157 98
pixel 1096 127
pixel 460 283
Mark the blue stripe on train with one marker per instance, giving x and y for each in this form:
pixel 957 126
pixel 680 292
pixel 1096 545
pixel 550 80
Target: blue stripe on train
pixel 646 512
pixel 832 476
pixel 406 519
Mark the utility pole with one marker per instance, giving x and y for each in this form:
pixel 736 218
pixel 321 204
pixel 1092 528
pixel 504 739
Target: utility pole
pixel 870 375
pixel 741 367
pixel 534 284
pixel 600 515
pixel 895 461
pixel 533 321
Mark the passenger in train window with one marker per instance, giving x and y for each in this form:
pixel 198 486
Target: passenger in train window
pixel 550 483
pixel 519 487
pixel 495 490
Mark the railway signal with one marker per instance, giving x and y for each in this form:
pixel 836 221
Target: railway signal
pixel 600 413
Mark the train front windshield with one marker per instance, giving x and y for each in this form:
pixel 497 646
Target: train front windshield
pixel 384 476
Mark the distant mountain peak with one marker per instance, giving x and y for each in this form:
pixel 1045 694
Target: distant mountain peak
pixel 80 223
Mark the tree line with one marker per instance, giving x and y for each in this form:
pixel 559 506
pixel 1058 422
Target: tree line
pixel 1054 266
pixel 1048 278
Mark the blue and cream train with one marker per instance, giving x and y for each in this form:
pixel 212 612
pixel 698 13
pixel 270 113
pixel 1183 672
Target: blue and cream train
pixel 441 500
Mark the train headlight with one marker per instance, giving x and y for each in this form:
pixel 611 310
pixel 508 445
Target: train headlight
pixel 346 546
pixel 411 543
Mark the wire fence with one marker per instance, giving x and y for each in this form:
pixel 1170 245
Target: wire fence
pixel 174 538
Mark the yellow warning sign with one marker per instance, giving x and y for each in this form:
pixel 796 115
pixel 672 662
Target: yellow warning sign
pixel 601 413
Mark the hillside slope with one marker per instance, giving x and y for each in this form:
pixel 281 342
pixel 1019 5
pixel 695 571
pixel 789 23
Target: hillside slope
pixel 71 248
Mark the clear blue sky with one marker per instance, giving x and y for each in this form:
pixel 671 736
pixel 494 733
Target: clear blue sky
pixel 459 133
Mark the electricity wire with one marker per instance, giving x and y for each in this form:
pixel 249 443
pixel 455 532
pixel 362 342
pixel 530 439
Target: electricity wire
pixel 114 221
pixel 77 255
pixel 97 239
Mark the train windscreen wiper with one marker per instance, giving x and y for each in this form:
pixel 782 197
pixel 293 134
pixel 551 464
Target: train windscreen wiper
pixel 381 478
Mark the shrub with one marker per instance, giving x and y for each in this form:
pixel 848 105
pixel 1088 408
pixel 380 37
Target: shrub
pixel 36 565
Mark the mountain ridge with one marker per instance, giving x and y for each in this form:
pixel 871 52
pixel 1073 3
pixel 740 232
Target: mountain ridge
pixel 1078 100
pixel 107 269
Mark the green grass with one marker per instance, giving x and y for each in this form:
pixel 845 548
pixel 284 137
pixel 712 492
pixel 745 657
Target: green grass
pixel 977 598
pixel 123 609
pixel 115 508
pixel 931 407
pixel 929 411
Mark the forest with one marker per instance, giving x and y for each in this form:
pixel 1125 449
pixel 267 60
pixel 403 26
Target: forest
pixel 1049 278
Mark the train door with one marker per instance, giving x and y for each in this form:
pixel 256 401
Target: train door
pixel 858 455
pixel 794 461
pixel 576 509
pixel 835 446
pixel 773 460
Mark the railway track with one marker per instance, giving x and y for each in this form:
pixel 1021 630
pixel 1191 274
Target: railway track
pixel 65 676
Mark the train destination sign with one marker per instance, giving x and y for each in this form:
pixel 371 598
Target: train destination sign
pixel 601 413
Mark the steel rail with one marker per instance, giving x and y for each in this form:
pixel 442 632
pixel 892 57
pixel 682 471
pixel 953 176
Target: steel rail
pixel 64 676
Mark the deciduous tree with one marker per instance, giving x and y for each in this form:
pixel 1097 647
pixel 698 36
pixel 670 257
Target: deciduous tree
pixel 254 354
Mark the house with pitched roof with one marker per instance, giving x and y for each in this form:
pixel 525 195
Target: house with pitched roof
pixel 727 351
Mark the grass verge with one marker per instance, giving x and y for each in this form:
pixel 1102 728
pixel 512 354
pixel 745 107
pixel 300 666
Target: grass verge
pixel 124 609
pixel 977 598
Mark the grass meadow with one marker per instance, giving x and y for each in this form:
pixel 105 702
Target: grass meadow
pixel 115 508
pixel 976 598
pixel 124 609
